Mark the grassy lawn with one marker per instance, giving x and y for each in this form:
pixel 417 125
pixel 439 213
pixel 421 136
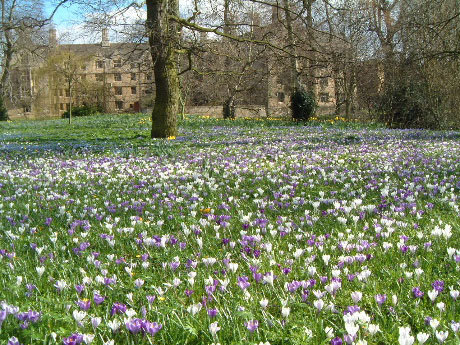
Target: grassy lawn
pixel 235 232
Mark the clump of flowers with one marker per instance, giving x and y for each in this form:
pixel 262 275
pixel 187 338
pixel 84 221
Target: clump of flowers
pixel 144 326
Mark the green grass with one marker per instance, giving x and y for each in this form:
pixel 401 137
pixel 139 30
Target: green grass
pixel 274 195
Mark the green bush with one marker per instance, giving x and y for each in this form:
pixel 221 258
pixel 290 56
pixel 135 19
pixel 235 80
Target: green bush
pixel 3 111
pixel 408 104
pixel 83 110
pixel 303 105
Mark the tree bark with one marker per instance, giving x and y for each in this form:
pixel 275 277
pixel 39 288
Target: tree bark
pixel 70 103
pixel 293 61
pixel 163 38
pixel 7 58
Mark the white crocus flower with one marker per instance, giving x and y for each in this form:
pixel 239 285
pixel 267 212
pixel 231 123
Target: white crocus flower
pixel 442 336
pixel 88 338
pixel 263 303
pixel 40 270
pixel 319 304
pixel 285 311
pixel 114 325
pixel 214 328
pixel 79 315
pixel 422 338
pixel 356 296
pixel 404 336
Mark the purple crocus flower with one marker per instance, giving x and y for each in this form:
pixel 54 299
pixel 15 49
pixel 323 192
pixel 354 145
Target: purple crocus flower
pixel 74 339
pixel 151 298
pixel 30 316
pixel 79 288
pixel 336 341
pixel 118 308
pixel 13 341
pixel 84 304
pixel 33 316
pixel 252 325
pixel 142 325
pixel 3 315
pixel 98 299
pixel 380 299
pixel 417 292
pixel 152 328
pixel 438 285
pixel 174 265
pixel 212 312
pixel 134 325
pixel 348 338
pixel 243 282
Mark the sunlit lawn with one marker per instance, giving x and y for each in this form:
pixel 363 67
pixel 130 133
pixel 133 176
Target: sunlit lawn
pixel 235 232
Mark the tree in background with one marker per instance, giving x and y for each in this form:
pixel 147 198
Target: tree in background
pixel 62 67
pixel 17 26
pixel 21 32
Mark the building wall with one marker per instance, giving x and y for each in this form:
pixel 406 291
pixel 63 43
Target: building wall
pixel 120 75
pixel 116 76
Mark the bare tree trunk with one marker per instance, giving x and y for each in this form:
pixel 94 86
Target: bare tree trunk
pixel 7 58
pixel 70 103
pixel 163 38
pixel 295 82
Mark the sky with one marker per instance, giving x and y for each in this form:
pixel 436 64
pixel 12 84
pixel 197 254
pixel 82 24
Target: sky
pixel 63 17
pixel 68 22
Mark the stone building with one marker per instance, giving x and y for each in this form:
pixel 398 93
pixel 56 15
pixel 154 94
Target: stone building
pixel 115 76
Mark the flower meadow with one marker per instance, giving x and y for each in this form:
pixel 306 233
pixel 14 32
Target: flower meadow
pixel 238 232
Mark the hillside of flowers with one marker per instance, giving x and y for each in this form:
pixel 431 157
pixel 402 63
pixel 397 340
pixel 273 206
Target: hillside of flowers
pixel 232 233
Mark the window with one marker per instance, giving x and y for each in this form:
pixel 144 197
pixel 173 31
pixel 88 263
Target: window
pixel 281 96
pixel 118 90
pixel 99 77
pixel 61 92
pixel 61 106
pixel 324 97
pixel 67 93
pixel 119 105
pixel 117 76
pixel 26 108
pixel 131 106
pixel 133 76
pixel 100 64
pixel 133 90
pixel 149 76
pixel 67 106
pixel 117 63
pixel 324 82
pixel 148 91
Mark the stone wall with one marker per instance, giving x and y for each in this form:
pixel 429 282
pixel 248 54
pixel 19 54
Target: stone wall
pixel 252 111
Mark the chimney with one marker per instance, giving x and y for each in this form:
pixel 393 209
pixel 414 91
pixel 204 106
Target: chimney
pixel 105 38
pixel 52 40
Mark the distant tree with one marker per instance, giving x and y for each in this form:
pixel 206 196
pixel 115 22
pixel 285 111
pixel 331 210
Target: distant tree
pixel 63 67
pixel 20 22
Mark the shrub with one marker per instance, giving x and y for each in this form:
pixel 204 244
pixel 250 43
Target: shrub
pixel 3 111
pixel 408 104
pixel 83 110
pixel 303 105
